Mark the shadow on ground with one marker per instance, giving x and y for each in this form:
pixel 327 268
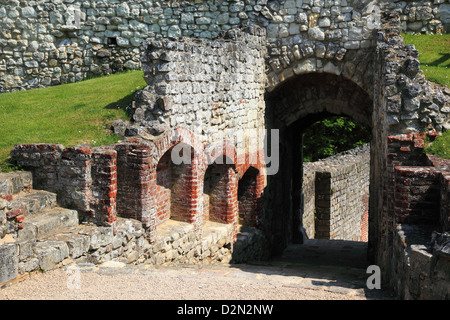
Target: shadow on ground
pixel 333 265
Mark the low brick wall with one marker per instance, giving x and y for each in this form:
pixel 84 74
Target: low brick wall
pixel 416 196
pixel 83 177
pixel 116 194
pixel 420 262
pixel 336 195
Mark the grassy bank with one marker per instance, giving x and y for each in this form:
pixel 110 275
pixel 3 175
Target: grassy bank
pixel 434 55
pixel 440 147
pixel 68 114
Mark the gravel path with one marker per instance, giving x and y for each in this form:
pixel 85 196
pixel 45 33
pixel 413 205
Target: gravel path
pixel 326 273
pixel 113 281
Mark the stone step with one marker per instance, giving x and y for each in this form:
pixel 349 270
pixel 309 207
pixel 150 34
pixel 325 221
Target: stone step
pixel 15 182
pixel 71 242
pixel 47 223
pixel 32 202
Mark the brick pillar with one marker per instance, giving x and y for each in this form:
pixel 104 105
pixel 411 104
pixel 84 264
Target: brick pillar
pixel 365 219
pixel 135 184
pixel 323 205
pixel 403 150
pixel 260 183
pixel 232 200
pixel 104 185
pixel 194 201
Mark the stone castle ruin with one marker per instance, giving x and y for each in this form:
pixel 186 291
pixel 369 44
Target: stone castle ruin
pixel 211 168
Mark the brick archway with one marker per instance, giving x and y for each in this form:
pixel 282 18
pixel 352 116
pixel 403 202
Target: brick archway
pixel 177 184
pixel 175 136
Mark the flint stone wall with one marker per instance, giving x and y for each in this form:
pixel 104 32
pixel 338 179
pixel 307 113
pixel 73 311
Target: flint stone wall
pixel 46 42
pixel 423 16
pixel 214 88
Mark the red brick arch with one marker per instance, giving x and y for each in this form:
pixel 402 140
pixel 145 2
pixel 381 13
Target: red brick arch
pixel 215 150
pixel 174 137
pixel 183 199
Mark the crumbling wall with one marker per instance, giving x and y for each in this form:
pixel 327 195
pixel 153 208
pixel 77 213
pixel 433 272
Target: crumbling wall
pixel 48 43
pixel 83 177
pixel 341 194
pixel 423 16
pixel 411 108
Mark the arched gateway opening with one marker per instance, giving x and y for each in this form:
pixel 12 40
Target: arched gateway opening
pixel 292 107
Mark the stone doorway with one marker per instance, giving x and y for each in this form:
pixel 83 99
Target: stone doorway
pixel 311 203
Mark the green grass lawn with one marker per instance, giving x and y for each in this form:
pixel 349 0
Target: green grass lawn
pixel 435 61
pixel 440 147
pixel 69 114
pixel 434 55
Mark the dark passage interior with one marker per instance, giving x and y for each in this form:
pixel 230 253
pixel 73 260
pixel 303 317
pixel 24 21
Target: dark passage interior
pixel 314 211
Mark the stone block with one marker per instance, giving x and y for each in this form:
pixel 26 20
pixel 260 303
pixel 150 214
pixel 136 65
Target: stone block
pixel 420 259
pixel 9 262
pixel 100 237
pixel 50 253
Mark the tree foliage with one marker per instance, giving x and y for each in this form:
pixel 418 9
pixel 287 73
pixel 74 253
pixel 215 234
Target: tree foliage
pixel 331 136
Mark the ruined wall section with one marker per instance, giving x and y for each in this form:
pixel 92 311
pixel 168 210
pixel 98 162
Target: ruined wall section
pixel 410 108
pixel 46 42
pixel 213 88
pixel 408 209
pixel 423 16
pixel 83 177
pixel 413 104
pixel 420 262
pixel 341 195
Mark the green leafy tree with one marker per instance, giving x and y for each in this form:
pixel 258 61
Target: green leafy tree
pixel 331 136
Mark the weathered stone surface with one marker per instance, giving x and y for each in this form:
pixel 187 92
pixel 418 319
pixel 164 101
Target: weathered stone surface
pixel 109 39
pixel 13 183
pixel 51 253
pixel 301 60
pixel 8 262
